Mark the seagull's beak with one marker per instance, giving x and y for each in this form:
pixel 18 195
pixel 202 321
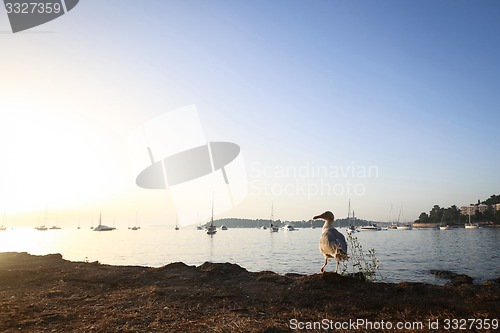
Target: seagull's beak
pixel 318 217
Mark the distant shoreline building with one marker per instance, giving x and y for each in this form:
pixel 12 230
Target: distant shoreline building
pixel 473 208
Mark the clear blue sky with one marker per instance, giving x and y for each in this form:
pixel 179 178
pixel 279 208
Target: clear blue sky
pixel 409 89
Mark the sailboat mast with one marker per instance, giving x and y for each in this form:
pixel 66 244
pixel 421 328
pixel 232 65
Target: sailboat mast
pixel 46 214
pixel 349 214
pixel 212 219
pixel 272 214
pixel 211 230
pixel 400 212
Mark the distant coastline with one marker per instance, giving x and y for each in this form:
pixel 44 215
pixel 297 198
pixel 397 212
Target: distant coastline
pixel 436 225
pixel 340 223
pixel 257 223
pixel 485 213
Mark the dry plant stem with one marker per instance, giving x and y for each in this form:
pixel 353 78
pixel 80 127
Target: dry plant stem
pixel 365 267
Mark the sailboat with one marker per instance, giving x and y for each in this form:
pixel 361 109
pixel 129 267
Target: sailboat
pixel 392 225
pixel 441 226
pixel 351 222
pixel 402 227
pixel 56 226
pixel 102 227
pixel 272 227
pixel 136 226
pixel 470 225
pixel 198 227
pixel 177 223
pixel 212 230
pixel 43 227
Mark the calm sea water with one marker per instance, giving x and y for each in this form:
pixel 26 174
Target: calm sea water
pixel 404 255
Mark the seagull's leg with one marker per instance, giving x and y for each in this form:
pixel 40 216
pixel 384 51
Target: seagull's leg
pixel 322 270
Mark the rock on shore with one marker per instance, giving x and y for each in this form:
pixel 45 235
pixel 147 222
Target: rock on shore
pixel 47 293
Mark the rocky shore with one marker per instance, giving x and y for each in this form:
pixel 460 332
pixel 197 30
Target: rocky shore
pixel 49 294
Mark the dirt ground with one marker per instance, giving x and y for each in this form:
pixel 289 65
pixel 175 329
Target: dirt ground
pixel 49 294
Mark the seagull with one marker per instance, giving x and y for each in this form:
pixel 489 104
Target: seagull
pixel 332 243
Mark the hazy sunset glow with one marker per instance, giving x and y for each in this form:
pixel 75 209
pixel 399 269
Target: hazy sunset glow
pixel 383 103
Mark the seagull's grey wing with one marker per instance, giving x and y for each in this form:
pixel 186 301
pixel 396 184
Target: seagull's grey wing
pixel 336 239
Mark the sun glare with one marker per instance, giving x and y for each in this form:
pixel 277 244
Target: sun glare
pixel 50 160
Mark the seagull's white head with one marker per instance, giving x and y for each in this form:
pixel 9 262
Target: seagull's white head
pixel 327 216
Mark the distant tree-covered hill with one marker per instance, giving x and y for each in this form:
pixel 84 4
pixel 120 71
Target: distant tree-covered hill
pixel 251 223
pixel 451 215
pixel 493 200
